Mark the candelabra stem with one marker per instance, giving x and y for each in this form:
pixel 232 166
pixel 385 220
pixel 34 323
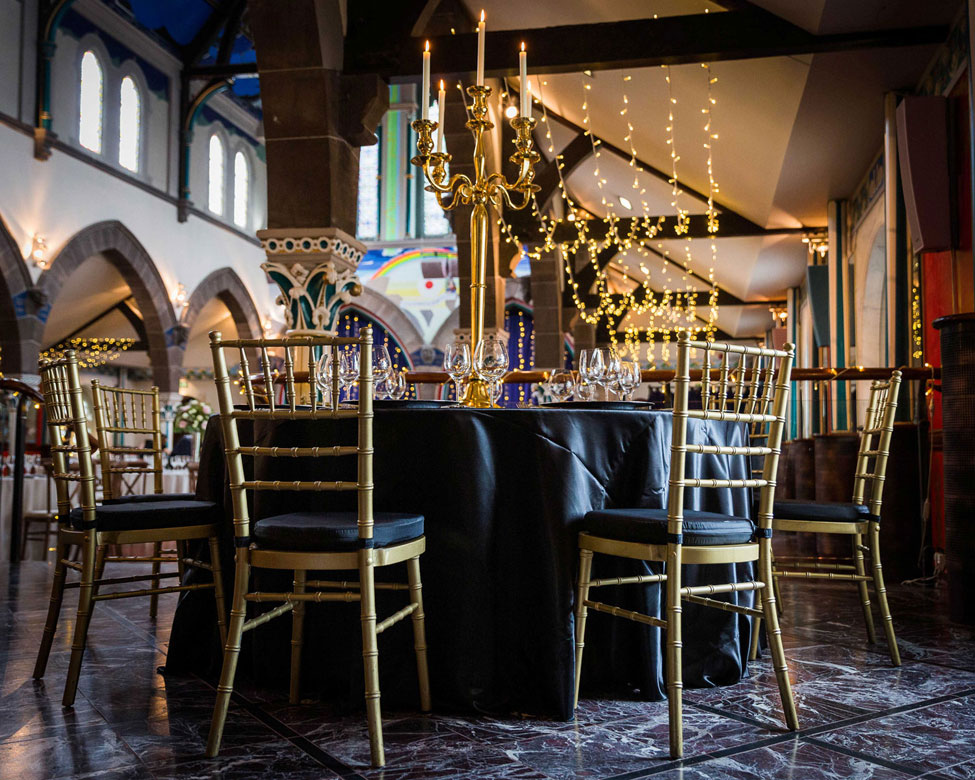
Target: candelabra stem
pixel 478 394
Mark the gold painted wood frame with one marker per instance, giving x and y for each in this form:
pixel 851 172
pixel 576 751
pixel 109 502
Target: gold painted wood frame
pixel 304 352
pixel 68 429
pixel 739 384
pixel 868 491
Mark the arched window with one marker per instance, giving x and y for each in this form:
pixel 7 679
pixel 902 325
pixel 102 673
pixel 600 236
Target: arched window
pixel 215 179
pixel 241 189
pixel 130 125
pixel 367 222
pixel 91 108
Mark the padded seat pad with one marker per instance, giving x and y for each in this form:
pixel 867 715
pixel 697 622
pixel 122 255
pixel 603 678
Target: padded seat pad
pixel 151 497
pixel 833 511
pixel 649 526
pixel 142 515
pixel 333 531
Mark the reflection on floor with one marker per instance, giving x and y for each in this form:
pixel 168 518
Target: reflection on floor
pixel 862 718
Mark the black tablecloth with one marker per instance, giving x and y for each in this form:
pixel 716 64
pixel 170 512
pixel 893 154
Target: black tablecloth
pixel 504 493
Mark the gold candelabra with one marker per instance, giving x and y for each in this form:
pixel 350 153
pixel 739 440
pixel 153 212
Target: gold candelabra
pixel 483 189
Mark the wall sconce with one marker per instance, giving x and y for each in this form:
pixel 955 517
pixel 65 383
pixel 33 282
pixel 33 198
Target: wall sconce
pixel 180 299
pixel 38 251
pixel 779 315
pixel 817 244
pixel 267 326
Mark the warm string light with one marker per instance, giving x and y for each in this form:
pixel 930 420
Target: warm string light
pixel 92 352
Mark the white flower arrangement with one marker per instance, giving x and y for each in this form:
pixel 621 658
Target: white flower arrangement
pixel 191 416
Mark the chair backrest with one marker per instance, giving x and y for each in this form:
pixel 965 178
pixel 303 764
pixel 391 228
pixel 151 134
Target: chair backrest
pixel 67 425
pixel 294 407
pixel 122 413
pixel 868 483
pixel 748 385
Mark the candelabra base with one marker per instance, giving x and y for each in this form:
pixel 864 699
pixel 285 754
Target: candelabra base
pixel 477 395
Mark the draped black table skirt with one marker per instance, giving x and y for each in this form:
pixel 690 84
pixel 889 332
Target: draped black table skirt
pixel 504 493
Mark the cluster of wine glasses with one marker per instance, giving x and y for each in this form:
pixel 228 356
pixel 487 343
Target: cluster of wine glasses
pixel 601 367
pixel 388 383
pixel 489 362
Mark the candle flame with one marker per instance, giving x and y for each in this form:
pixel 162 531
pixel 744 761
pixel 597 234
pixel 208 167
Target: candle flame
pixel 522 45
pixel 441 85
pixel 482 14
pixel 426 47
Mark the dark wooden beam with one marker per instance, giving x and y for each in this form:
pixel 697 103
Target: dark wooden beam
pixel 729 226
pixel 637 43
pixel 210 31
pixel 123 308
pixel 227 70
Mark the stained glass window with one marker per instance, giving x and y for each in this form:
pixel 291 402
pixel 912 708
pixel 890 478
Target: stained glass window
pixel 367 222
pixel 130 125
pixel 216 183
pixel 241 189
pixel 91 108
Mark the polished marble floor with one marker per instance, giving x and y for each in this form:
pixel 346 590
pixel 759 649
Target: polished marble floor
pixel 861 718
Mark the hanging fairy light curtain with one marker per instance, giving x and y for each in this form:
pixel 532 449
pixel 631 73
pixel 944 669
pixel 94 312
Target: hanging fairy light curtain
pixel 351 320
pixel 628 295
pixel 92 352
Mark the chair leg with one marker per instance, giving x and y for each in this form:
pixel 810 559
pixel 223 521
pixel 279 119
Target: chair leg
pixel 864 589
pixel 419 632
pixel 370 655
pixel 674 660
pixel 879 587
pixel 756 629
pixel 297 638
pixel 53 610
pixel 585 570
pixel 85 606
pixel 238 613
pixel 154 598
pixel 100 554
pixel 218 589
pixel 775 636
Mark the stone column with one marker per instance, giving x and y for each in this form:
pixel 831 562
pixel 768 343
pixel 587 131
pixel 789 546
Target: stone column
pixel 315 120
pixel 547 312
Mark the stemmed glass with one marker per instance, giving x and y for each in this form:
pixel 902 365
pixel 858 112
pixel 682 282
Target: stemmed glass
pixel 583 388
pixel 629 378
pixel 323 374
pixel 495 389
pixel 382 365
pixel 605 368
pixel 393 385
pixel 491 359
pixel 457 362
pixel 560 384
pixel 348 369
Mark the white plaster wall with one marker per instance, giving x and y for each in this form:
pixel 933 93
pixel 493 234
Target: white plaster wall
pixel 62 195
pixel 870 301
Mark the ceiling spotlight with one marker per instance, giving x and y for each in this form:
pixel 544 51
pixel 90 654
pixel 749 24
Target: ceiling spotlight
pixel 625 202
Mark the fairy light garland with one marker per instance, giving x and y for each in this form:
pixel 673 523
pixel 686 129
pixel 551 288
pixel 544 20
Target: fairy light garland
pixel 92 351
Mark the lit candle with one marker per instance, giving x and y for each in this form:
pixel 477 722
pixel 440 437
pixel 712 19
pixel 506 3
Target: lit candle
pixel 526 100
pixel 425 104
pixel 480 50
pixel 441 100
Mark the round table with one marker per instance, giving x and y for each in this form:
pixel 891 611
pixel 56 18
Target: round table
pixel 504 493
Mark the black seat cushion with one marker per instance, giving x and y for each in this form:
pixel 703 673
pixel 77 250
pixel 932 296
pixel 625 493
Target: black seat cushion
pixel 835 511
pixel 151 497
pixel 649 526
pixel 333 531
pixel 142 515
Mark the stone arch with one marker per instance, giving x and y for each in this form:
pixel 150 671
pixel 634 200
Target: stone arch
pixel 225 285
pixel 20 306
pixel 392 316
pixel 113 241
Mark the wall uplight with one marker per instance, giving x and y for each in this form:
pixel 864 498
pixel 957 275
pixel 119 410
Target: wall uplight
pixel 180 299
pixel 38 251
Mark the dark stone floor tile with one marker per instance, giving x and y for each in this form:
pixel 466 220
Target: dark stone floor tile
pixel 268 760
pixel 29 712
pixel 92 749
pixel 630 745
pixel 928 739
pixel 792 759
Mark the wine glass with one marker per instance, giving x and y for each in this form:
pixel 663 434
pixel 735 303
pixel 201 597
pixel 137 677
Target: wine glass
pixel 457 362
pixel 323 375
pixel 629 378
pixel 608 372
pixel 348 369
pixel 490 359
pixel 382 365
pixel 583 388
pixel 396 385
pixel 560 384
pixel 495 389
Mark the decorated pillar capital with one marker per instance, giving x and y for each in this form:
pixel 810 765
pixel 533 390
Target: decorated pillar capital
pixel 315 270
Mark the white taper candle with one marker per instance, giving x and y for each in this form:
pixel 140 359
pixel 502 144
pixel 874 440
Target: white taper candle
pixel 480 50
pixel 425 92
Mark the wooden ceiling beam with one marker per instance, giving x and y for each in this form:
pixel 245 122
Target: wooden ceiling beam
pixel 634 43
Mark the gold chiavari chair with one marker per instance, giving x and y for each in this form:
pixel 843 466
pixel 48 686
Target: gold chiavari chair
pixel 320 540
pixel 754 391
pixel 860 519
pixel 123 416
pixel 94 527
